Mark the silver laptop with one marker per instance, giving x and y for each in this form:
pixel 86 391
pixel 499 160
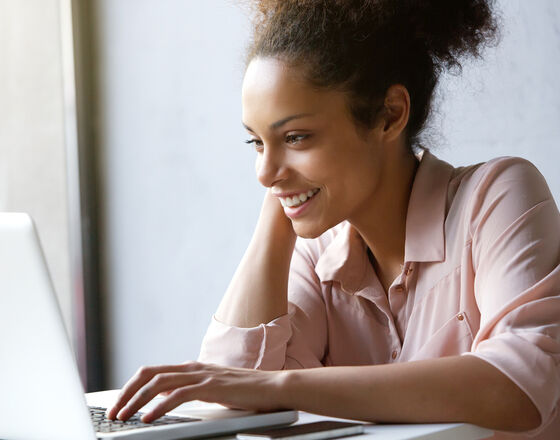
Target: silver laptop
pixel 41 393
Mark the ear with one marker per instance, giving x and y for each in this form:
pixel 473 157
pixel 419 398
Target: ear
pixel 397 111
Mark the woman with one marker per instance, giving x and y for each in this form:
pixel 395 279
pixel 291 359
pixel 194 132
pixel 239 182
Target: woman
pixel 429 293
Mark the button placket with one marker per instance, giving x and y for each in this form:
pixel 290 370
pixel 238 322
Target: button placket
pixel 407 274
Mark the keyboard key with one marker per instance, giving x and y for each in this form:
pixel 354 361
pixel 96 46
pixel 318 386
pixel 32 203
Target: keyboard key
pixel 102 424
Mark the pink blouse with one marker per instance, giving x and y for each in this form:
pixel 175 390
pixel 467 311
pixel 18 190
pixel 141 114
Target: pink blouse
pixel 481 277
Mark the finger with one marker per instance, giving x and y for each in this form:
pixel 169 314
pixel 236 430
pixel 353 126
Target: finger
pixel 172 401
pixel 160 382
pixel 142 376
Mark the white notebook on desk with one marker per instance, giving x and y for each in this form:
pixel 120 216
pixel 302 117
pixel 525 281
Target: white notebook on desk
pixel 42 396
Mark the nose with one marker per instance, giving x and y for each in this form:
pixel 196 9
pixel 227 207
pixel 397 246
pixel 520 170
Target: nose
pixel 270 166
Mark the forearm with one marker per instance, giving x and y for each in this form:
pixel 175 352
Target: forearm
pixel 453 389
pixel 258 291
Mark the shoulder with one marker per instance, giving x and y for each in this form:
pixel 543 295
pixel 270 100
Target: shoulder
pixel 505 188
pixel 503 172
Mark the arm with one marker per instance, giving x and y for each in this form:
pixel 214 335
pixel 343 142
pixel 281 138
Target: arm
pixel 453 389
pixel 258 291
pixel 273 315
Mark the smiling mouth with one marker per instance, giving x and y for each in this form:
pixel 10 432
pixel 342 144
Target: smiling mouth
pixel 298 199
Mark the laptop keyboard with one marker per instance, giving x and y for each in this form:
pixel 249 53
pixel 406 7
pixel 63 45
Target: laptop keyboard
pixel 102 424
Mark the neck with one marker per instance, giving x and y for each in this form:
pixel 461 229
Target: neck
pixel 383 224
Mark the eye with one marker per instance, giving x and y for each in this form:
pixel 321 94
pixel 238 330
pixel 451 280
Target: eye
pixel 257 143
pixel 295 138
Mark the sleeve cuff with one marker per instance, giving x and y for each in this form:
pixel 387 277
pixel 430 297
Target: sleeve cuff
pixel 528 367
pixel 262 347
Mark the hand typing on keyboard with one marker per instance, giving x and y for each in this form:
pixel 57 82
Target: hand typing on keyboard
pixel 233 387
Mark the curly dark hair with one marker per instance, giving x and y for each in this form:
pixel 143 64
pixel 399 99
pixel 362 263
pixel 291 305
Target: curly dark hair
pixel 364 46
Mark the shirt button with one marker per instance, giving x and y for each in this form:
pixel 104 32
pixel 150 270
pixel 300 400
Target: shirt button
pixel 394 354
pixel 409 271
pixel 399 288
pixel 460 317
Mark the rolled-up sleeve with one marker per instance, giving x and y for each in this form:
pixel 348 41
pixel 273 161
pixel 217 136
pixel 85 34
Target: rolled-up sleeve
pixel 515 229
pixel 257 347
pixel 294 340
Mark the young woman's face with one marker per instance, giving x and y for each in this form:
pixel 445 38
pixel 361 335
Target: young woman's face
pixel 309 150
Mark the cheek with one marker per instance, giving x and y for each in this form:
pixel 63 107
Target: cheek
pixel 351 180
pixel 319 164
pixel 310 166
pixel 257 164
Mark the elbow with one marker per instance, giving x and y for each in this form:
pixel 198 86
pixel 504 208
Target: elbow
pixel 515 413
pixel 510 421
pixel 505 405
pixel 526 419
pixel 521 424
pixel 525 415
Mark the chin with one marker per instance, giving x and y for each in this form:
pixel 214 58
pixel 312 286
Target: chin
pixel 308 230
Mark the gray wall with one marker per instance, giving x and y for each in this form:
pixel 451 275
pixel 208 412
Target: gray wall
pixel 33 162
pixel 179 194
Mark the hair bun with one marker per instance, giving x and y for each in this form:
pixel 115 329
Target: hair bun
pixel 448 29
pixel 451 29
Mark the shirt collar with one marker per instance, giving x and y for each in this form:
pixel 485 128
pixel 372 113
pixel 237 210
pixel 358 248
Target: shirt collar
pixel 345 258
pixel 425 219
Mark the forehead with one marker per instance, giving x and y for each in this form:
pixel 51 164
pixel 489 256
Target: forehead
pixel 265 74
pixel 273 90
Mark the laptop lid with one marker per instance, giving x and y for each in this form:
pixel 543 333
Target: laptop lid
pixel 42 396
pixel 38 376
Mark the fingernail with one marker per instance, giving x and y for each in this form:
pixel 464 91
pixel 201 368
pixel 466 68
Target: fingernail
pixel 121 413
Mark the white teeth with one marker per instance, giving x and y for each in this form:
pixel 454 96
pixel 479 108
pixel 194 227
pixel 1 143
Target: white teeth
pixel 298 199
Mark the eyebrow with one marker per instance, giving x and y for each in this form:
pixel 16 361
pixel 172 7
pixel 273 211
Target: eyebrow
pixel 276 125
